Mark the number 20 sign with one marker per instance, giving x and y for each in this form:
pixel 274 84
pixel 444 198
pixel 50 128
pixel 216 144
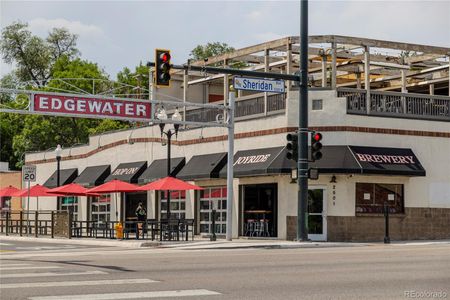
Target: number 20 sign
pixel 29 173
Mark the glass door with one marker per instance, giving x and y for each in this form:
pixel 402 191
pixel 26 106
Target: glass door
pixel 317 221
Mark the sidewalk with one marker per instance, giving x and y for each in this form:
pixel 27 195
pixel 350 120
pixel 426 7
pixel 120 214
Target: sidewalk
pixel 202 243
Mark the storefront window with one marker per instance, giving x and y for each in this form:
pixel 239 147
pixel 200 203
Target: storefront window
pixel 69 204
pixel 100 208
pixel 177 204
pixel 213 197
pixel 370 197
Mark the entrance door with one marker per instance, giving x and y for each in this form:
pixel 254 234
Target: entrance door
pixel 317 220
pixel 132 201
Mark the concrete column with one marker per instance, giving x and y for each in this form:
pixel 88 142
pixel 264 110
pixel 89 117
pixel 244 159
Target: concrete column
pixel 333 65
pixel 289 70
pixel 324 70
pixel 367 77
pixel 226 87
pixel 266 69
pixel 432 89
pixel 185 91
pixel 404 90
pixel 358 80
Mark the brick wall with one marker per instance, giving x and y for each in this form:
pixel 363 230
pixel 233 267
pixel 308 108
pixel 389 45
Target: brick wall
pixel 415 224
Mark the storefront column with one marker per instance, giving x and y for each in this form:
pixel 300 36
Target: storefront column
pixel 151 205
pixel 432 88
pixel 83 208
pixel 190 201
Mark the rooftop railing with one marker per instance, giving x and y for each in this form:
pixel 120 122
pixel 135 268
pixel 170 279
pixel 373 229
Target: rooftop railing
pixel 245 107
pixel 397 105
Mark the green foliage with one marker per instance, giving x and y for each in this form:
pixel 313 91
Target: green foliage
pixel 136 82
pixel 210 49
pixel 34 57
pixel 202 52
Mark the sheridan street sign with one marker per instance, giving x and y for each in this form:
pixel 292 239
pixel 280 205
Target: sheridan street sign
pixel 261 85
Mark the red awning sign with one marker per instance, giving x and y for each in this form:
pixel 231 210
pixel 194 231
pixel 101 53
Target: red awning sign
pixel 79 105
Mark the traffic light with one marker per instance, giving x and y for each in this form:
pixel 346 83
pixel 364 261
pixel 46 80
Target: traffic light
pixel 316 146
pixel 292 146
pixel 162 65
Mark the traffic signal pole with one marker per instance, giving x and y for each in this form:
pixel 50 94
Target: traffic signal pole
pixel 302 164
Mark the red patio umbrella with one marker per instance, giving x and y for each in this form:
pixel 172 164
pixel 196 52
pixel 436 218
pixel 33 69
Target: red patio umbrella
pixel 169 184
pixel 8 191
pixel 72 189
pixel 114 186
pixel 36 191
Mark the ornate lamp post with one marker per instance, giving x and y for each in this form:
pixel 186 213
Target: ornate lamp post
pixel 162 115
pixel 58 151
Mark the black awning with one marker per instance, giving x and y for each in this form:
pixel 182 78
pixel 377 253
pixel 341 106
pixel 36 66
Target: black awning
pixel 335 160
pixel 93 176
pixel 158 169
pixel 203 166
pixel 253 162
pixel 128 172
pixel 392 161
pixel 66 176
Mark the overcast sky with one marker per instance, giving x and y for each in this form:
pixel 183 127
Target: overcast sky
pixel 116 34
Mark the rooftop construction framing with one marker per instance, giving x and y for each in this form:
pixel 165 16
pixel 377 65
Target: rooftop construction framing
pixel 341 61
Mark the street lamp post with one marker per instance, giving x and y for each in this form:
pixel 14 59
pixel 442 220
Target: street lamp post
pixel 162 115
pixel 58 151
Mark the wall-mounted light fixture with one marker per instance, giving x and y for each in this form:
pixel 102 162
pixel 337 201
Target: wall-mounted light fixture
pixel 294 175
pixel 333 179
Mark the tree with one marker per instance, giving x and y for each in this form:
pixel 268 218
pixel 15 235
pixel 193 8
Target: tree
pixel 34 56
pixel 210 49
pixel 202 52
pixel 38 133
pixel 133 84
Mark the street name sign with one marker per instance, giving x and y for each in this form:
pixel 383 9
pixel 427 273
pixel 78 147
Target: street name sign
pixel 29 173
pixel 260 85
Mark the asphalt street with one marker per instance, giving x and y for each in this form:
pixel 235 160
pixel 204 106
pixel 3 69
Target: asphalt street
pixel 28 270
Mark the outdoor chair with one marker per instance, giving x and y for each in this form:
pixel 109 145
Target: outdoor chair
pixel 186 226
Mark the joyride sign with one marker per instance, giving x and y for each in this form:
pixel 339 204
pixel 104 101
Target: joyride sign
pixel 92 106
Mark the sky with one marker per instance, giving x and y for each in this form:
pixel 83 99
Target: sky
pixel 118 34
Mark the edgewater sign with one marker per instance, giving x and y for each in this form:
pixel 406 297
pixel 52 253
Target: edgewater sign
pixel 91 106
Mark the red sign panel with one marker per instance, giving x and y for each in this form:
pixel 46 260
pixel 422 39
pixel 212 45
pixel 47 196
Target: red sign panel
pixel 91 106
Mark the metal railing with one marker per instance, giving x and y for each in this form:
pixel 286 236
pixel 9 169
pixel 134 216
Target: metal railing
pixel 244 107
pixel 399 105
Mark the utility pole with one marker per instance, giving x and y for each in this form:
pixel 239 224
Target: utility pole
pixel 302 164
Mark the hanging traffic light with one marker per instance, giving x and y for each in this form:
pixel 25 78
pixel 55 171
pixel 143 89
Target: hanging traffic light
pixel 316 146
pixel 292 146
pixel 162 68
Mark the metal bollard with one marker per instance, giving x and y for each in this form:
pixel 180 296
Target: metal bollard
pixel 36 221
pixel 387 240
pixel 7 223
pixel 53 224
pixel 21 222
pixel 213 237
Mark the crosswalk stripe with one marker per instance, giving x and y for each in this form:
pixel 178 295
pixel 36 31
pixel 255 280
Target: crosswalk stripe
pixel 13 265
pixel 5 244
pixel 136 295
pixel 29 268
pixel 23 275
pixel 75 283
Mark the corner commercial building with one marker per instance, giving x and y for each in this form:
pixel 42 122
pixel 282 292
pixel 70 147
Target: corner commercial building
pixel 385 120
